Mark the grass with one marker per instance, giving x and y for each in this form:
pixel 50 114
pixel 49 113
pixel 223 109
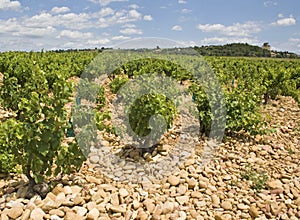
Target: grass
pixel 258 180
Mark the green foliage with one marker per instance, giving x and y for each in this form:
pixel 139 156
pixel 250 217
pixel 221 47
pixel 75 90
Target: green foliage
pixel 147 106
pixel 35 135
pixel 258 180
pixel 117 83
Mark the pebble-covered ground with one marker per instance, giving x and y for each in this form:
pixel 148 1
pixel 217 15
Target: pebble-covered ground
pixel 249 178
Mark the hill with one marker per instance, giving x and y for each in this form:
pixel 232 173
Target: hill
pixel 242 50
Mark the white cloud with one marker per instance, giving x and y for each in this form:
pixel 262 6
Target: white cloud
pixel 75 34
pixel 106 2
pixel 148 18
pixel 237 29
pixel 228 40
pixel 60 28
pixel 182 1
pixel 177 28
pixel 121 37
pixel 270 3
pixel 284 21
pixel 130 31
pixel 134 6
pixel 60 10
pixel 7 5
pixel 186 11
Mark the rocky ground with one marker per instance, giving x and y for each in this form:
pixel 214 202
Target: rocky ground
pixel 249 178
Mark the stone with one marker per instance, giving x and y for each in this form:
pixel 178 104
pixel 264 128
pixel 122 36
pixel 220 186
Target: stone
pixel 242 206
pixel 182 199
pixel 37 214
pixel 118 209
pixel 173 180
pixel 76 190
pixel 167 207
pixel 191 183
pixel 78 200
pixel 91 205
pixel 94 159
pixel 72 216
pixel 203 184
pixel 93 214
pixel 219 217
pixel 215 200
pixel 276 184
pixel 226 205
pixel 67 190
pixel 114 199
pixel 80 210
pixel 57 212
pixel 196 194
pixel 15 212
pixel 92 179
pixel 149 205
pixel 181 190
pixel 253 212
pixel 123 192
pixel 136 204
pixel 26 214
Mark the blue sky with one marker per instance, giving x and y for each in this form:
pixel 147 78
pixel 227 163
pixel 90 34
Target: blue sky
pixel 63 24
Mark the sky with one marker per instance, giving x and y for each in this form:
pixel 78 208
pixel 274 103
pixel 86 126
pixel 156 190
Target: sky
pixel 64 24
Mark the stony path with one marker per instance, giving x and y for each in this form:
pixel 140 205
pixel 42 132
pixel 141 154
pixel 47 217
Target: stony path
pixel 227 188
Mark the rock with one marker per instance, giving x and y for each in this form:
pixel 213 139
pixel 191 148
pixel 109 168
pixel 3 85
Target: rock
pixel 80 210
pixel 196 194
pixel 276 191
pixel 215 200
pixel 167 207
pixel 182 199
pixel 226 205
pixel 67 190
pixel 123 192
pixel 149 205
pixel 93 214
pixel 219 217
pixel 94 159
pixel 242 206
pixel 78 200
pixel 253 212
pixel 15 212
pixel 173 180
pixel 136 204
pixel 91 205
pixel 92 179
pixel 191 183
pixel 203 184
pixel 57 212
pixel 26 214
pixel 114 199
pixel 72 216
pixel 276 184
pixel 118 209
pixel 75 190
pixel 181 190
pixel 37 214
pixel 58 189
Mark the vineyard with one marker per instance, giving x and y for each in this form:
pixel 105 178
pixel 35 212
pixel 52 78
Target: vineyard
pixel 54 114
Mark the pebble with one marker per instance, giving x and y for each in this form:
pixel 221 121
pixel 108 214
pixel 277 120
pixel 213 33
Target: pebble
pixel 226 205
pixel 37 214
pixel 253 212
pixel 173 180
pixel 15 212
pixel 93 214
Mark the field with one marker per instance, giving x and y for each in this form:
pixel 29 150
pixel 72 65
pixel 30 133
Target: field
pixel 63 157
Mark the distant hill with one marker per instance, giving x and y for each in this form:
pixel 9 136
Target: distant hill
pixel 242 50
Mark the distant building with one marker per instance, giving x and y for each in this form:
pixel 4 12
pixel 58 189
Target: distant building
pixel 266 46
